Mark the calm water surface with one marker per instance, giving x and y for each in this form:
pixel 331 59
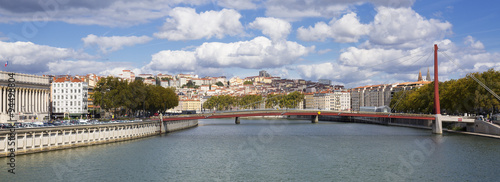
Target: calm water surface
pixel 272 150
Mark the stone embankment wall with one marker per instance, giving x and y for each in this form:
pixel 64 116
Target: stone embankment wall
pixel 32 140
pixel 426 124
pixel 486 127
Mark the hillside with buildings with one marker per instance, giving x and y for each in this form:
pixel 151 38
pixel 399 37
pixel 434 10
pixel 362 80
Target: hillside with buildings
pixel 72 96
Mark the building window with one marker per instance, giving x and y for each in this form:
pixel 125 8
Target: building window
pixel 70 103
pixel 71 85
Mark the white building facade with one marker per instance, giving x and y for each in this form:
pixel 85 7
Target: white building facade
pixel 340 101
pixel 70 97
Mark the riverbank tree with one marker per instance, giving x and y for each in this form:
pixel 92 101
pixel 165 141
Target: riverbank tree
pixel 122 97
pixel 464 95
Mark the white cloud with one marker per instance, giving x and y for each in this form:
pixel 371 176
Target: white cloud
pixel 257 53
pixel 186 24
pixel 27 57
pixel 238 4
pixel 470 41
pixel 113 13
pixel 404 28
pixel 380 59
pixel 344 30
pixel 173 60
pixel 334 71
pixel 113 43
pixel 366 66
pixel 472 58
pixel 274 28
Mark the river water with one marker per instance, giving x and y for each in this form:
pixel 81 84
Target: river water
pixel 272 150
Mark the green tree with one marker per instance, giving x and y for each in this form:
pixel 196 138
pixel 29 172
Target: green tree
pixel 464 95
pixel 122 97
pixel 250 101
pixel 248 83
pixel 290 100
pixel 293 99
pixel 273 100
pixel 221 102
pixel 220 84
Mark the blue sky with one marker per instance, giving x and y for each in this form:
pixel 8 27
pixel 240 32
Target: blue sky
pixel 353 43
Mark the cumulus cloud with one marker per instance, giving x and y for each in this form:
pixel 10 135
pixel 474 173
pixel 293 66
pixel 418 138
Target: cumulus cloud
pixel 470 41
pixel 462 60
pixel 257 53
pixel 113 43
pixel 366 66
pixel 380 59
pixel 404 28
pixel 274 28
pixel 111 13
pixel 334 71
pixel 186 24
pixel 173 60
pixel 27 57
pixel 344 30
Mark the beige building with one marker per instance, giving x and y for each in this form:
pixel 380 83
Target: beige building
pixel 379 95
pixel 235 81
pixel 188 105
pixel 309 101
pixel 322 101
pixel 32 97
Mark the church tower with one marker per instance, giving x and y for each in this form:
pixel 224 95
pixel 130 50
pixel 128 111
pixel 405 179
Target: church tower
pixel 428 77
pixel 419 75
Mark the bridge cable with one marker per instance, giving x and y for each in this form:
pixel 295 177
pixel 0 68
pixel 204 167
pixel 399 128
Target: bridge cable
pixel 473 77
pixel 404 91
pixel 411 56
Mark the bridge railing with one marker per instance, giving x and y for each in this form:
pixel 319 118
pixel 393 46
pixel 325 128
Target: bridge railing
pixel 304 112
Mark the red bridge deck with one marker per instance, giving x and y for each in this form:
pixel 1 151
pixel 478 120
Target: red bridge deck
pixel 297 113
